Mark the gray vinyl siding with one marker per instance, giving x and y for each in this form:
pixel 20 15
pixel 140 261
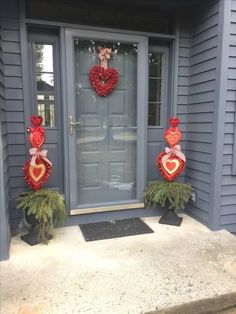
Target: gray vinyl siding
pixel 4 181
pixel 183 81
pixel 201 107
pixel 227 219
pixel 14 105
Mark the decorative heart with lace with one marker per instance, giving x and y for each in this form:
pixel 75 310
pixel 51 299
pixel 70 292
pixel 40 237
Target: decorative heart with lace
pixel 171 167
pixel 103 80
pixel 173 136
pixel 36 175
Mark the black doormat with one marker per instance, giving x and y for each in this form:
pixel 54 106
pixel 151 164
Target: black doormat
pixel 114 229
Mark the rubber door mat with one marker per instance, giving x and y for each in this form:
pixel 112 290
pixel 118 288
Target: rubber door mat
pixel 114 229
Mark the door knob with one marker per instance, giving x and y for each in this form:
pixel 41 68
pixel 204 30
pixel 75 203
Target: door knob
pixel 72 125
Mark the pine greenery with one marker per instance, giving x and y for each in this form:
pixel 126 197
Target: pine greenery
pixel 47 206
pixel 175 195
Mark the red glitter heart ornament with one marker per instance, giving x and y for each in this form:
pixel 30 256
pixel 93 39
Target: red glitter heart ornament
pixel 36 120
pixel 103 80
pixel 170 168
pixel 36 175
pixel 173 136
pixel 37 137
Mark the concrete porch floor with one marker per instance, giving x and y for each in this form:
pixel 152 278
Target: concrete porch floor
pixel 133 274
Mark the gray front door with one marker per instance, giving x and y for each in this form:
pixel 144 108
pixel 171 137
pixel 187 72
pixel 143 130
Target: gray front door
pixel 106 134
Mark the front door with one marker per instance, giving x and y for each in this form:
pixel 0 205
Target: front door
pixel 106 134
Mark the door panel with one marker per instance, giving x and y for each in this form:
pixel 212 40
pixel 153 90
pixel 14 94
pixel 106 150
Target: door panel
pixel 104 166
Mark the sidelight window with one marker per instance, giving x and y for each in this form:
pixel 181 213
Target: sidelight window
pixel 155 99
pixel 44 78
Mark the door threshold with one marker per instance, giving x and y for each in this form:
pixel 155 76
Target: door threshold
pixel 93 210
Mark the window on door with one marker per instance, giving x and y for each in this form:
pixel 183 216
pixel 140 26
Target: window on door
pixel 44 86
pixel 156 89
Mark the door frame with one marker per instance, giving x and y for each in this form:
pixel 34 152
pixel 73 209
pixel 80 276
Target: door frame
pixel 142 94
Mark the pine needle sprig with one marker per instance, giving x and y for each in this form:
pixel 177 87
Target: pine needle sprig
pixel 48 207
pixel 175 195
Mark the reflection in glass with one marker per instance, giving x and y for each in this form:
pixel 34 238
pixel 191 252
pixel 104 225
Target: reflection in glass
pixel 43 57
pixel 155 89
pixel 154 114
pixel 155 65
pixel 47 113
pixel 45 97
pixel 45 82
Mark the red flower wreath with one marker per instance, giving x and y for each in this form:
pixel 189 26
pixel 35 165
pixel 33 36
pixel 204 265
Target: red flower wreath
pixel 103 80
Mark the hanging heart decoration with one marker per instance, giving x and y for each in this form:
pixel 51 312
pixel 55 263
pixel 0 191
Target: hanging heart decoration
pixel 173 134
pixel 172 161
pixel 36 120
pixel 38 168
pixel 37 136
pixel 36 174
pixel 171 167
pixel 102 78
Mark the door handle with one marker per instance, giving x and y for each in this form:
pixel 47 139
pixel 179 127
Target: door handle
pixel 72 125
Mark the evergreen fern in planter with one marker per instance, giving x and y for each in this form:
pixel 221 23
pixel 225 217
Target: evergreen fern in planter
pixel 47 207
pixel 171 195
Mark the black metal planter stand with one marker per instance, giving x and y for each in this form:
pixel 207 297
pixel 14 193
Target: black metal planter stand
pixel 31 237
pixel 171 218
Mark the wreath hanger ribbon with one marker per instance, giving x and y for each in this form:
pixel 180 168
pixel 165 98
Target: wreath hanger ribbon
pixel 176 150
pixel 104 55
pixel 35 153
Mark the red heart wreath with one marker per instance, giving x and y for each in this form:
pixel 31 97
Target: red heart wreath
pixel 36 120
pixel 103 80
pixel 171 168
pixel 36 175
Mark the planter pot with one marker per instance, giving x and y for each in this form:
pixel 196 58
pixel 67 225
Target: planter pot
pixel 170 218
pixel 31 220
pixel 31 237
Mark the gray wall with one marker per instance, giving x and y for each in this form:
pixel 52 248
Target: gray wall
pixel 183 81
pixel 14 104
pixel 201 107
pixel 4 229
pixel 227 212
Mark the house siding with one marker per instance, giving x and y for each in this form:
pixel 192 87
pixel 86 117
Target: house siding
pixel 183 81
pixel 4 170
pixel 227 217
pixel 201 107
pixel 14 105
pixel 197 79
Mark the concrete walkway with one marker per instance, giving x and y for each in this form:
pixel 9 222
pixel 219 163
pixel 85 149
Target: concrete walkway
pixel 134 274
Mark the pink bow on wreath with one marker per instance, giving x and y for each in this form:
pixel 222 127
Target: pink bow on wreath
pixel 176 150
pixel 104 55
pixel 35 153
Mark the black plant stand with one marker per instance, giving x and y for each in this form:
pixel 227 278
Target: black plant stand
pixel 171 218
pixel 31 237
